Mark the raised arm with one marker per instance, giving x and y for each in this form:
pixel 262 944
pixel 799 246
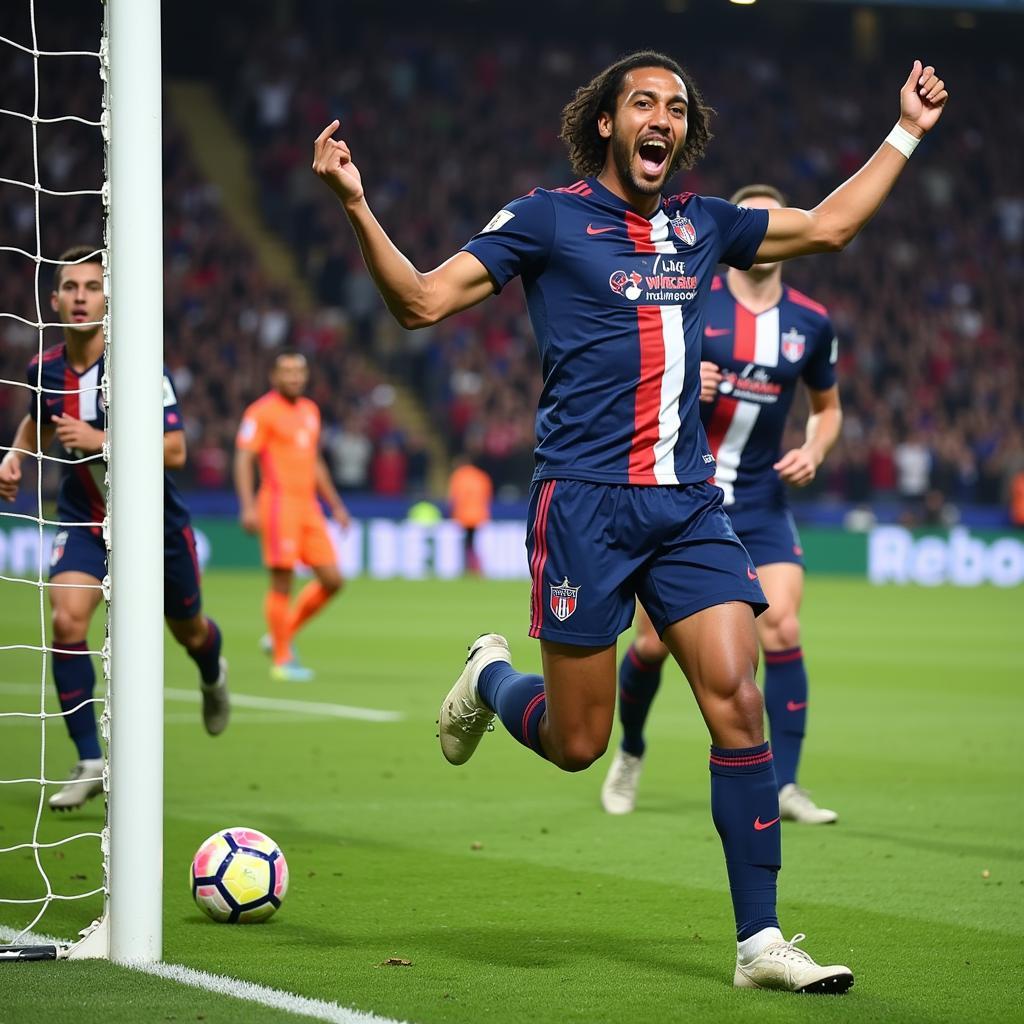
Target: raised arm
pixel 831 225
pixel 414 299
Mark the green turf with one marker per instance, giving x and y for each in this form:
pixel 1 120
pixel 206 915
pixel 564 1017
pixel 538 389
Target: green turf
pixel 513 895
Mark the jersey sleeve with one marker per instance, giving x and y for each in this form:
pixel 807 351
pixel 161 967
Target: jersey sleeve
pixel 741 232
pixel 252 430
pixel 518 239
pixel 172 415
pixel 820 370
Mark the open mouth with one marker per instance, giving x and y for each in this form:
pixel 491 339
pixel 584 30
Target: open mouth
pixel 653 154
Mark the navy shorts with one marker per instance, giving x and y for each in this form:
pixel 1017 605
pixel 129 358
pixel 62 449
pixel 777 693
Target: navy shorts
pixel 79 549
pixel 768 534
pixel 595 548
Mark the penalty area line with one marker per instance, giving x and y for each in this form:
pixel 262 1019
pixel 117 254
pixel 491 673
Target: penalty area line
pixel 247 991
pixel 308 707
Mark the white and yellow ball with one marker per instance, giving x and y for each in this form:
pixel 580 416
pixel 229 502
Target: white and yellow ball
pixel 239 875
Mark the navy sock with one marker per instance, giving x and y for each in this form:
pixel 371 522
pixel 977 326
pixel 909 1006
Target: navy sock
pixel 638 683
pixel 518 701
pixel 76 680
pixel 207 657
pixel 785 700
pixel 745 809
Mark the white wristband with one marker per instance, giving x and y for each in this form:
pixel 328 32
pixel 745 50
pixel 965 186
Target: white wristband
pixel 899 138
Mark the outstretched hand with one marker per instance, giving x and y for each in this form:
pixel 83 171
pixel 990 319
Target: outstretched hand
pixel 921 99
pixel 332 162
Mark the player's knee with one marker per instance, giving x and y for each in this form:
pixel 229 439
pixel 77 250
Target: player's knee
pixel 580 752
pixel 331 581
pixel 649 648
pixel 781 632
pixel 748 705
pixel 68 626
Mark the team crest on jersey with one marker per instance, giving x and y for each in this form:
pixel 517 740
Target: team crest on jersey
pixel 793 344
pixel 57 551
pixel 626 284
pixel 683 229
pixel 563 599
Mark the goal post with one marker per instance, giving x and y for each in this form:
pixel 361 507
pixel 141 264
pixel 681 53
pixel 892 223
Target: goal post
pixel 129 929
pixel 135 495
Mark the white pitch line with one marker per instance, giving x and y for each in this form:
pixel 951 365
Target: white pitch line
pixel 302 1006
pixel 309 707
pixel 246 700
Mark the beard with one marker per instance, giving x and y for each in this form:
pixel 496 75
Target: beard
pixel 622 154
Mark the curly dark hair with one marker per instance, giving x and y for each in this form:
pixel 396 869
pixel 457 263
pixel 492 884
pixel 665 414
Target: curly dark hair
pixel 579 117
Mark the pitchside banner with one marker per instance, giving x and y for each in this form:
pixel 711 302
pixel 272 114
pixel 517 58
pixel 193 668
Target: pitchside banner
pixel 389 549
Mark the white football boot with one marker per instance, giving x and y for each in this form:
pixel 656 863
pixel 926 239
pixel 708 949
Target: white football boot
pixel 216 703
pixel 85 782
pixel 781 965
pixel 795 804
pixel 464 717
pixel 618 794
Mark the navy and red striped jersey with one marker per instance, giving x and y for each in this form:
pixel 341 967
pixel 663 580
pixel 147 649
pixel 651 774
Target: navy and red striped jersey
pixel 617 305
pixel 762 357
pixel 82 495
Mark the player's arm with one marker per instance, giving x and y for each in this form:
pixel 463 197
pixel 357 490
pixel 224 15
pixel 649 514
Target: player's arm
pixel 832 224
pixel 175 449
pixel 325 488
pixel 22 445
pixel 799 466
pixel 245 488
pixel 415 299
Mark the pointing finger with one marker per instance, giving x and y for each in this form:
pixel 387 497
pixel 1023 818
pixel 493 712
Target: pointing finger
pixel 327 132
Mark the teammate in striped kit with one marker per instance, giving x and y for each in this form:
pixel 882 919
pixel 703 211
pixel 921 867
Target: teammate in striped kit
pixel 70 409
pixel 617 278
pixel 760 340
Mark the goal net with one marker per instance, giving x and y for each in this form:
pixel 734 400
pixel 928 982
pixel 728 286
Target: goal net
pixel 77 76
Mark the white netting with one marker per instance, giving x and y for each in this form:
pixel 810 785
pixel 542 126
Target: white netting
pixel 52 135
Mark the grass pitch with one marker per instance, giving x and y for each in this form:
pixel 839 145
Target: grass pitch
pixel 512 894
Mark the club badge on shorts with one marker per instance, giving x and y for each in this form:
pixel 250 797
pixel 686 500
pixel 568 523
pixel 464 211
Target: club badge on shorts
pixel 563 599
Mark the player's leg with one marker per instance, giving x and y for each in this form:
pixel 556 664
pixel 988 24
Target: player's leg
pixel 785 687
pixel 702 593
pixel 639 679
pixel 317 551
pixel 565 715
pixel 77 566
pixel 194 630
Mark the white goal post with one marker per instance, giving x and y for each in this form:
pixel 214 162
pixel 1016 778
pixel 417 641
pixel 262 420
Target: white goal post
pixel 135 495
pixel 130 928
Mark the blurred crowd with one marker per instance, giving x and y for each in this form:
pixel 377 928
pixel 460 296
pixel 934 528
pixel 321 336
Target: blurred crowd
pixel 927 302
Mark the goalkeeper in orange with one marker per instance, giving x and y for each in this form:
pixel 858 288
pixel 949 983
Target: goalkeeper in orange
pixel 281 432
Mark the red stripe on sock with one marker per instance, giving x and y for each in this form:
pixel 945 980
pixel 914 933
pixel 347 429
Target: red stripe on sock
pixel 781 657
pixel 540 698
pixel 743 762
pixel 639 663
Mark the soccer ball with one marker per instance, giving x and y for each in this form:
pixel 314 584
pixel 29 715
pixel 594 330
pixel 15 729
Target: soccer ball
pixel 239 875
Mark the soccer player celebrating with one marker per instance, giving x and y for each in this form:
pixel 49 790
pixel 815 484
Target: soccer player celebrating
pixel 282 431
pixel 617 278
pixel 70 409
pixel 761 338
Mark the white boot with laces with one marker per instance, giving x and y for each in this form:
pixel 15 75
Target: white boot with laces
pixel 464 717
pixel 767 960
